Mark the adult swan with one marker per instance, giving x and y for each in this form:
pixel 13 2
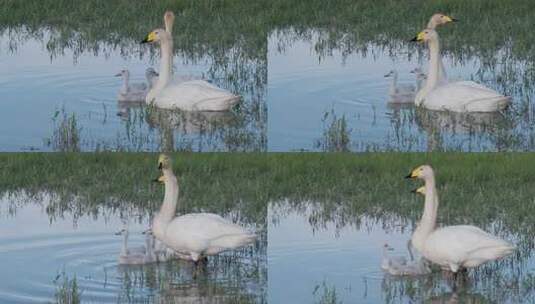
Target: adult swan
pixel 461 96
pixel 452 247
pixel 196 235
pixel 193 95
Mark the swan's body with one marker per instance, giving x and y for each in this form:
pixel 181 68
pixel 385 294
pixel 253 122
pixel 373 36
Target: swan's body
pixel 194 235
pixel 462 96
pixel 197 95
pixel 400 93
pixel 452 247
pixel 135 92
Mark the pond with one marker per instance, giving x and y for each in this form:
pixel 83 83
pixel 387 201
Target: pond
pixel 48 250
pixel 333 261
pixel 309 84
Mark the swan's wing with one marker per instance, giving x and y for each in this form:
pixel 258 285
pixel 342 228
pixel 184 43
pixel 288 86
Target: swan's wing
pixel 206 226
pixel 458 244
pixel 465 96
pixel 197 95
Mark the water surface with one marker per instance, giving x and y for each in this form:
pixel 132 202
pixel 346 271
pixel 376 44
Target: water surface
pixel 328 260
pixel 41 249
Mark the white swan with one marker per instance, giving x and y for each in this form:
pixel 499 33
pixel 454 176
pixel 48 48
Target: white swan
pixel 135 92
pixel 434 22
pixel 462 96
pixel 452 247
pixel 194 235
pixel 403 93
pixel 194 95
pixel 137 255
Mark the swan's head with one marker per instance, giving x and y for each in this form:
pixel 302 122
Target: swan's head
pixel 426 35
pixel 440 19
pixel 388 247
pixel 164 162
pixel 422 172
pixel 391 73
pixel 417 71
pixel 420 190
pixel 123 73
pixel 121 232
pixel 150 73
pixel 157 35
pixel 169 19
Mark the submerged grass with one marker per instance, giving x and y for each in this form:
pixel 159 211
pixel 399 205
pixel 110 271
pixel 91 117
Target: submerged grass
pixel 67 290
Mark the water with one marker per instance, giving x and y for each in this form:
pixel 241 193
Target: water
pixel 294 90
pixel 328 261
pixel 39 248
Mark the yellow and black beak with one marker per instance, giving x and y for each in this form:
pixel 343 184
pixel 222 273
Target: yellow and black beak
pixel 419 37
pixel 151 37
pixel 414 173
pixel 450 19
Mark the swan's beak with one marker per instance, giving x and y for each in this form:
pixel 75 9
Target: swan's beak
pixel 160 165
pixel 420 190
pixel 119 232
pixel 160 179
pixel 419 37
pixel 118 75
pixel 413 174
pixel 150 38
pixel 449 19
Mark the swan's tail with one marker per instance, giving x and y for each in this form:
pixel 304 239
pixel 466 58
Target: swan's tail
pixel 494 252
pixel 498 103
pixel 218 104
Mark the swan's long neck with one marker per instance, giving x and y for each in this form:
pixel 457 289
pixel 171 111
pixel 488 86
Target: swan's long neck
pixel 124 250
pixel 125 87
pixel 166 63
pixel 429 217
pixel 434 64
pixel 170 200
pixel 432 24
pixel 394 83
